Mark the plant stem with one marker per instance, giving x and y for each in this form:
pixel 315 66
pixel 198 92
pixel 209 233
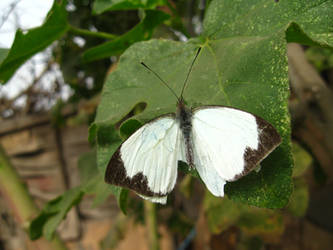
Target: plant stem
pixel 20 201
pixel 85 32
pixel 151 223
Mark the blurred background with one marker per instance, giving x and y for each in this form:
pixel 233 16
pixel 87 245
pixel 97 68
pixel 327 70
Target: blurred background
pixel 46 110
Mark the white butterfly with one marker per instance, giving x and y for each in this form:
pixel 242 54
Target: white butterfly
pixel 221 143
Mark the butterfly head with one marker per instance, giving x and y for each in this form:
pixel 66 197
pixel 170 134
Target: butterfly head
pixel 183 113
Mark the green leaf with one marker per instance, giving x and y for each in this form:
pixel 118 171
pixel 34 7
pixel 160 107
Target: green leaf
pixel 3 54
pixel 182 166
pixel 53 213
pixel 142 31
pixel 321 58
pixel 92 182
pixel 108 141
pixel 220 213
pixel 311 21
pixel 302 160
pixel 101 6
pixel 246 82
pixel 102 191
pixel 242 64
pixel 299 199
pixel 224 213
pixel 35 40
pixel 261 222
pixel 87 167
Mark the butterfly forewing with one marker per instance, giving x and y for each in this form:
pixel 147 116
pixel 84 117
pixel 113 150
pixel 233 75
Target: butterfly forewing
pixel 229 142
pixel 147 161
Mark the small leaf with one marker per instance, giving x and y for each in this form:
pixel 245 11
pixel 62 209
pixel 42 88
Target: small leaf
pixel 101 190
pixel 87 167
pixel 53 213
pixel 35 40
pixel 302 160
pixel 224 213
pixel 220 213
pixel 92 182
pixel 101 6
pixel 321 58
pixel 142 31
pixel 182 166
pixel 299 199
pixel 261 222
pixel 122 195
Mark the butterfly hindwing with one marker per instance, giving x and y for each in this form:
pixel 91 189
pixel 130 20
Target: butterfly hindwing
pixel 147 161
pixel 229 142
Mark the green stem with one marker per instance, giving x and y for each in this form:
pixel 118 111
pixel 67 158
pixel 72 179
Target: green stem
pixel 151 223
pixel 20 201
pixel 84 32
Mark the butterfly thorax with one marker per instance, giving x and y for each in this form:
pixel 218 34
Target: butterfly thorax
pixel 184 117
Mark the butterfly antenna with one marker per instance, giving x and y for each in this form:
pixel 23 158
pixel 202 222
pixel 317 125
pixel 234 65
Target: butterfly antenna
pixel 172 91
pixel 189 72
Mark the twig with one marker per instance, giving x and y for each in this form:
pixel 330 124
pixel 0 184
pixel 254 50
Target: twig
pixel 11 9
pixel 151 223
pixel 8 103
pixel 84 32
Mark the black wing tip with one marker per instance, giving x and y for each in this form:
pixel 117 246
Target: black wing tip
pixel 114 168
pixel 269 140
pixel 116 174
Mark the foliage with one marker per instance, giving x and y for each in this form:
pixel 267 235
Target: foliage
pixel 35 40
pixel 92 182
pixel 251 39
pixel 242 64
pixel 321 58
pixel 222 214
pixel 3 54
pixel 142 31
pixel 102 5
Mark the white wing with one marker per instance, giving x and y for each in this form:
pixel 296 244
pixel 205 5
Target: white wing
pixel 147 161
pixel 228 143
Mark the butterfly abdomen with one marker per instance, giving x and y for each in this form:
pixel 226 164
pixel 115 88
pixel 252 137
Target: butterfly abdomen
pixel 184 116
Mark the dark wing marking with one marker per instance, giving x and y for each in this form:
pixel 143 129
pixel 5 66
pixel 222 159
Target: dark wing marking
pixel 269 139
pixel 116 173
